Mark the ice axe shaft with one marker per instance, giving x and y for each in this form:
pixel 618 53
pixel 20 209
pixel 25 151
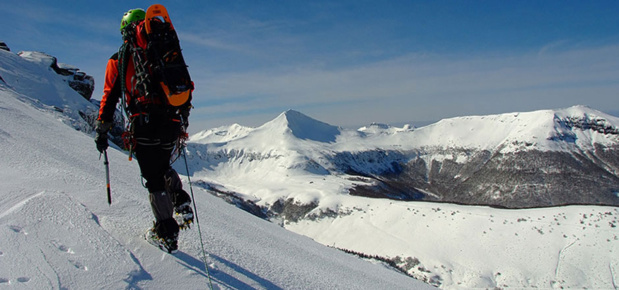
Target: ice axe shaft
pixel 107 177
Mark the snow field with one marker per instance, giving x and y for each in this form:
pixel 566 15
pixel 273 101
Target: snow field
pixel 473 247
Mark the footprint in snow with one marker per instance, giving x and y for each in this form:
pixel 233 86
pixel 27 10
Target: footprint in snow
pixel 18 229
pixel 65 249
pixel 23 279
pixel 62 247
pixel 79 265
pixel 20 279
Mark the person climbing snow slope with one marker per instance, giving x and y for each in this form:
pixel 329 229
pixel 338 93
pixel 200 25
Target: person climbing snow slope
pixel 157 123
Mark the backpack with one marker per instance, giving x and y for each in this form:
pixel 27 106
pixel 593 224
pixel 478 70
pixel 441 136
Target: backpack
pixel 161 75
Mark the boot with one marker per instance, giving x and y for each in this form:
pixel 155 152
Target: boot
pixel 180 198
pixel 184 215
pixel 169 244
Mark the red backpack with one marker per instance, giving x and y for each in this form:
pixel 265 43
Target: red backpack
pixel 161 75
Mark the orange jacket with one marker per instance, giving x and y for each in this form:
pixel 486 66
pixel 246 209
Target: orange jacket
pixel 111 89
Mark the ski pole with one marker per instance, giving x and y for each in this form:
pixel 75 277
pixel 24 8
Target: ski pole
pixel 195 212
pixel 107 177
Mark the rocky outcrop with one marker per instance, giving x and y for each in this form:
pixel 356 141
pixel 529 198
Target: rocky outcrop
pixel 3 46
pixel 79 81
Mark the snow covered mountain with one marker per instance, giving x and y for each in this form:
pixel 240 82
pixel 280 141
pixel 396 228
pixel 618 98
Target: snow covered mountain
pixel 310 182
pixel 59 233
pixel 518 160
pixel 304 176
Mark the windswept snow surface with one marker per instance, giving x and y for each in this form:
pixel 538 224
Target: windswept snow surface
pixel 58 232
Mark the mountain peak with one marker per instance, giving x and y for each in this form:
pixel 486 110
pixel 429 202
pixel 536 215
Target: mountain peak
pixel 303 127
pixel 221 134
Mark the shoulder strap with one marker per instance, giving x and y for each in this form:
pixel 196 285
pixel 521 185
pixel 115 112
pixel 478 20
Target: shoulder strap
pixel 123 58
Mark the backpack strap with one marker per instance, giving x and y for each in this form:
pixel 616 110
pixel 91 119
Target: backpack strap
pixel 123 58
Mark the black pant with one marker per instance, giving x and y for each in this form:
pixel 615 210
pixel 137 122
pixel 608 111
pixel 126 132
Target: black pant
pixel 156 137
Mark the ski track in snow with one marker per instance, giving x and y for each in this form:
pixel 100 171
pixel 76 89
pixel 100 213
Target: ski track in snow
pixel 19 204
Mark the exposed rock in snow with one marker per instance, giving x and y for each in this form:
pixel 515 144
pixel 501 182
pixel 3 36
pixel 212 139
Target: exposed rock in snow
pixel 3 46
pixel 79 81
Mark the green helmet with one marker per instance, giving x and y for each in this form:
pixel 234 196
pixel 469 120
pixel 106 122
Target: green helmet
pixel 132 15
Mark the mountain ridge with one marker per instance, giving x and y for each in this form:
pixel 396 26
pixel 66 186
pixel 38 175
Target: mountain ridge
pixel 302 127
pixel 547 126
pixel 453 160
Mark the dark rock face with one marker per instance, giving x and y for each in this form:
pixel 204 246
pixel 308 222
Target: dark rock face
pixel 83 84
pixel 79 81
pixel 514 180
pixel 598 125
pixel 4 46
pixel 530 179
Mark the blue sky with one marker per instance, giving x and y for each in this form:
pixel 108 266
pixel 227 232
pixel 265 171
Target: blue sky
pixel 350 63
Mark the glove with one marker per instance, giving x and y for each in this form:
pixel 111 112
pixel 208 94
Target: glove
pixel 101 129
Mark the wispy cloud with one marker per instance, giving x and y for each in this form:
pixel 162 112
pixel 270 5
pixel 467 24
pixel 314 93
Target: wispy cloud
pixel 421 87
pixel 356 62
pixel 211 43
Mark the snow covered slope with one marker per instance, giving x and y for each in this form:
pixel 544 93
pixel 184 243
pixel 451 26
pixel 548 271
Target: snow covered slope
pixel 455 246
pixel 59 233
pixel 29 75
pixel 546 130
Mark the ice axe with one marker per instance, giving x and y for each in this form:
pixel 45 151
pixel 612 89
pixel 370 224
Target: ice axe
pixel 107 177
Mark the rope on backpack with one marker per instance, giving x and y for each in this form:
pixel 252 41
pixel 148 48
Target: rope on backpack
pixel 139 82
